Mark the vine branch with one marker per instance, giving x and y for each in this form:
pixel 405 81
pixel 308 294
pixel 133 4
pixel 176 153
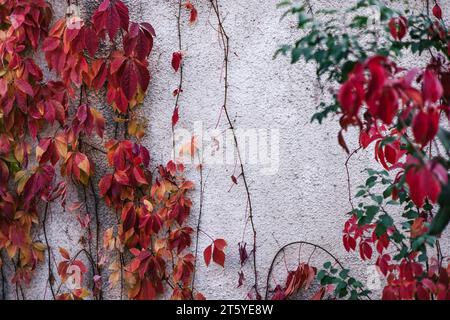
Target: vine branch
pixel 226 50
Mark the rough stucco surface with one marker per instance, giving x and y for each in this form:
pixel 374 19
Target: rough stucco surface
pixel 305 200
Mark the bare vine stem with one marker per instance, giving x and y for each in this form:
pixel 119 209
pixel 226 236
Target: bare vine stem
pixel 198 223
pixel 180 83
pixel 49 264
pixel 226 50
pixel 349 186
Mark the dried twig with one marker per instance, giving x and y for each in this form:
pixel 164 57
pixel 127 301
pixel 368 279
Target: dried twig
pixel 349 187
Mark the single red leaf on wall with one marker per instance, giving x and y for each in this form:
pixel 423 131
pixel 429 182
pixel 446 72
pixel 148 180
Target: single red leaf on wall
pixel 64 253
pixel 432 88
pixel 398 27
pixel 218 254
pixel 207 254
pixel 193 11
pixel 437 11
pixel 105 184
pixel 349 242
pixel 425 125
pixel 351 93
pixel 424 180
pixel 176 60
pixel 383 263
pixel 365 250
pixel 175 116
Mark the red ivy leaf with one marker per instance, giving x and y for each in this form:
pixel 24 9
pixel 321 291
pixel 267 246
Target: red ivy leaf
pixel 176 60
pixel 218 255
pixel 25 87
pixel 207 254
pixel 432 88
pixel 90 41
pixel 111 15
pixel 129 80
pixel 64 253
pixel 175 116
pixel 425 125
pixel 398 27
pixel 437 11
pixel 365 250
pixel 193 12
pixel 105 184
pixel 139 40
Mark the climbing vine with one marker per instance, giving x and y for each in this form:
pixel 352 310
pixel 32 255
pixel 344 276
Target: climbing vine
pixel 49 124
pixel 403 111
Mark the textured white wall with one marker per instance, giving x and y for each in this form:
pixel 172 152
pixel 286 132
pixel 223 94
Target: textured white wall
pixel 305 200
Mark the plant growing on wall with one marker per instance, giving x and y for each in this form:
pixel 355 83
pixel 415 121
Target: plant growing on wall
pixel 49 124
pixel 402 111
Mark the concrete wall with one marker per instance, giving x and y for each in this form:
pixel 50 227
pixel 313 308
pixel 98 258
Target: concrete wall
pixel 305 198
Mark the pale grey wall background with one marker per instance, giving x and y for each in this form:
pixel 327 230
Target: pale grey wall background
pixel 305 200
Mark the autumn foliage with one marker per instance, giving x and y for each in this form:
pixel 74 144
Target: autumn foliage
pixel 45 131
pixel 401 112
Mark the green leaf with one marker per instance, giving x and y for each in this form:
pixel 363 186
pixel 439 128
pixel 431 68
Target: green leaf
pixel 371 211
pixel 380 229
pixel 359 22
pixel 370 182
pixel 344 273
pixel 320 275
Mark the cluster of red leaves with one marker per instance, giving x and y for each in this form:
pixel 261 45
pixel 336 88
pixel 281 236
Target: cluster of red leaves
pixel 125 72
pixel 408 280
pixel 215 250
pixel 72 267
pixel 151 225
pixel 298 279
pixel 27 105
pixel 363 237
pixel 388 92
pixel 152 211
pixel 376 95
